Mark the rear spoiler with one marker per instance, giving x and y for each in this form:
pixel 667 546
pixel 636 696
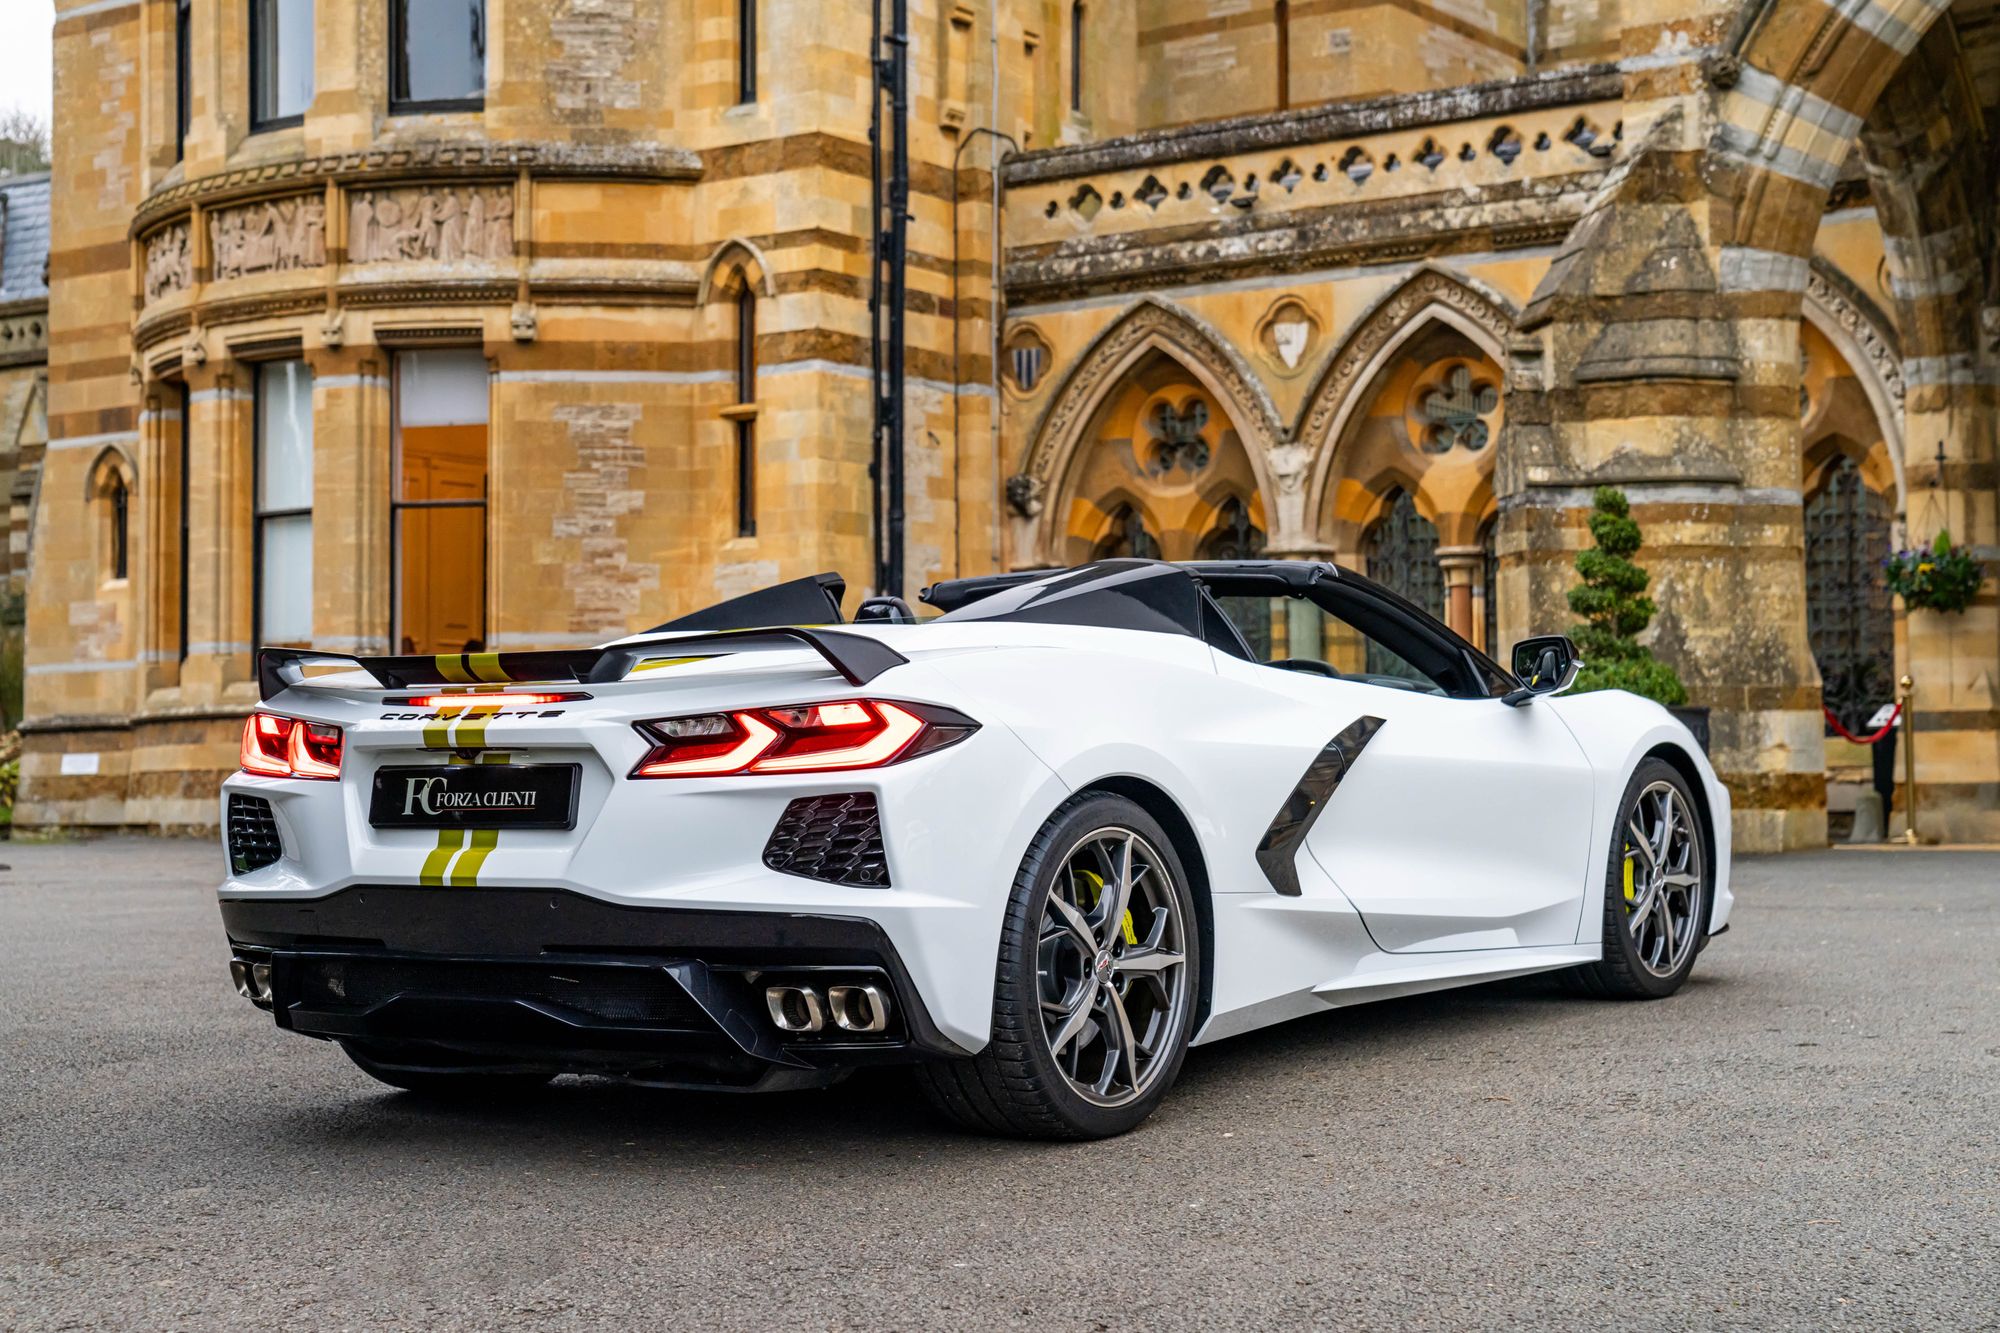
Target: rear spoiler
pixel 857 658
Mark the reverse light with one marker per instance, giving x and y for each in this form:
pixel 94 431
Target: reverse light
pixel 808 738
pixel 284 747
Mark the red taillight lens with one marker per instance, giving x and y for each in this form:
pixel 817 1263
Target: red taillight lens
pixel 283 747
pixel 810 738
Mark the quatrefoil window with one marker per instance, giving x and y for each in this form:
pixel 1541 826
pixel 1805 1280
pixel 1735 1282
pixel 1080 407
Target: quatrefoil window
pixel 1177 438
pixel 1457 412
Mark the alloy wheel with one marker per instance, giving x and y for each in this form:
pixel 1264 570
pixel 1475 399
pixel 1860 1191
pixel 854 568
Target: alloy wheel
pixel 1114 983
pixel 1663 879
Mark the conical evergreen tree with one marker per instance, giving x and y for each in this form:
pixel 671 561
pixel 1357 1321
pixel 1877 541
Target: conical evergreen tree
pixel 1615 609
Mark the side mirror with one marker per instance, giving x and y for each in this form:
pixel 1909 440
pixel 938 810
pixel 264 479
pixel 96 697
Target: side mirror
pixel 1546 664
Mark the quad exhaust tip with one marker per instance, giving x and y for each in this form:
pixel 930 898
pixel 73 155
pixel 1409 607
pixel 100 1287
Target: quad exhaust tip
pixel 858 1007
pixel 795 1008
pixel 252 980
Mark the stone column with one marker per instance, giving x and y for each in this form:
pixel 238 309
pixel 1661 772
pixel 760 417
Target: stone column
pixel 1668 366
pixel 1460 565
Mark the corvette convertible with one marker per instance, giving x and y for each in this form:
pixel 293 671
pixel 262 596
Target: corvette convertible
pixel 1036 842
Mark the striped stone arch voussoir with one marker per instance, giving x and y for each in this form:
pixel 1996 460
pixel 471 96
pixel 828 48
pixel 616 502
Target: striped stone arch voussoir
pixel 1806 74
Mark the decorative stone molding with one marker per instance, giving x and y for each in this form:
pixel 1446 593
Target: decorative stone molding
pixel 24 333
pixel 169 261
pixel 429 161
pixel 1287 335
pixel 1152 323
pixel 270 236
pixel 443 223
pixel 1490 321
pixel 1869 332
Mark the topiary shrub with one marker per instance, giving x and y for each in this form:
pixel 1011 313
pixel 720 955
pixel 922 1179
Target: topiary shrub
pixel 1615 609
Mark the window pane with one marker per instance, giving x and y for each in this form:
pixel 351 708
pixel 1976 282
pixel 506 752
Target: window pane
pixel 441 593
pixel 284 436
pixel 441 425
pixel 443 54
pixel 282 73
pixel 285 580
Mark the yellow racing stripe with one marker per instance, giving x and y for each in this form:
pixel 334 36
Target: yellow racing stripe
pixel 450 840
pixel 465 871
pixel 485 666
pixel 452 667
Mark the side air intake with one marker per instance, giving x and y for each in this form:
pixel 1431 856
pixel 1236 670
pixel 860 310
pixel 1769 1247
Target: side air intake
pixel 834 838
pixel 253 834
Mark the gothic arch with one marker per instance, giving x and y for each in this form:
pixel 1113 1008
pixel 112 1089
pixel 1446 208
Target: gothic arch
pixel 1429 296
pixel 1152 327
pixel 718 275
pixel 1871 349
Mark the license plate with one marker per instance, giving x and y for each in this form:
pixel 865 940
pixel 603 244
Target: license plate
pixel 476 796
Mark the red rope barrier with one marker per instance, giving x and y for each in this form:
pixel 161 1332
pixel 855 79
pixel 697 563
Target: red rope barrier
pixel 1834 722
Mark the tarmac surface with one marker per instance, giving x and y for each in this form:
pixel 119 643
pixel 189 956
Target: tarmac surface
pixel 1808 1136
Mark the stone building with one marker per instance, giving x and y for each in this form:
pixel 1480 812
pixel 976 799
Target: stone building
pixel 411 324
pixel 24 354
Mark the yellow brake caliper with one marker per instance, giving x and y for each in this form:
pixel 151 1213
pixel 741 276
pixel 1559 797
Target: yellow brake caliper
pixel 1089 881
pixel 1631 894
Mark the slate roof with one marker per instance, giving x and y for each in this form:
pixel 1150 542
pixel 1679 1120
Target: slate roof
pixel 24 242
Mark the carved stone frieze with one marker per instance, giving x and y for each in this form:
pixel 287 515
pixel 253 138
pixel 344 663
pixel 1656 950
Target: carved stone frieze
pixel 269 236
pixel 169 261
pixel 445 223
pixel 1874 339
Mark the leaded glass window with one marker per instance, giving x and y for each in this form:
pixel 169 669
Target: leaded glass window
pixel 1401 555
pixel 1235 537
pixel 1128 538
pixel 1850 620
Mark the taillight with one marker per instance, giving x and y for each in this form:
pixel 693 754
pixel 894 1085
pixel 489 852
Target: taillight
pixel 808 738
pixel 509 700
pixel 284 747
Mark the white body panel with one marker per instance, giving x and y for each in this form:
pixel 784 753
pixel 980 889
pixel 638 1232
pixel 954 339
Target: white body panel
pixel 1467 842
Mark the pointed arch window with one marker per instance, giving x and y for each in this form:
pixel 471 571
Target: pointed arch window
pixel 746 395
pixel 1401 554
pixel 1128 538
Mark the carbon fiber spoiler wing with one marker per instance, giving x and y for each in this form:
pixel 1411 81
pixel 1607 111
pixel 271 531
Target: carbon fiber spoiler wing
pixel 857 658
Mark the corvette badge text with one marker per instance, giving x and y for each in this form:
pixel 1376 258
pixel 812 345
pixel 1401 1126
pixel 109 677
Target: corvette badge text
pixel 421 794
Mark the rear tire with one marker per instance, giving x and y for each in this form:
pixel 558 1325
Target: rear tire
pixel 1091 1012
pixel 1656 890
pixel 466 1084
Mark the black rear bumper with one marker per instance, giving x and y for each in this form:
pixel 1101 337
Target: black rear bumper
pixel 554 980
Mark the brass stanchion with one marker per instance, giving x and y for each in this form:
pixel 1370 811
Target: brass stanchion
pixel 1908 687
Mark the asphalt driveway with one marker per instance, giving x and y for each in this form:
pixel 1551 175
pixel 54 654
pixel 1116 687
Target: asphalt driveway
pixel 1808 1136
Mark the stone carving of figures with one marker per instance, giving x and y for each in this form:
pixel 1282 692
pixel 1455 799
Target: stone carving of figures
pixel 424 228
pixel 225 231
pixel 475 223
pixel 390 233
pixel 360 229
pixel 260 244
pixel 312 233
pixel 451 239
pixel 500 225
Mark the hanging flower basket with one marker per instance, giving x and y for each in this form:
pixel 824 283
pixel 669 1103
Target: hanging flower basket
pixel 1941 577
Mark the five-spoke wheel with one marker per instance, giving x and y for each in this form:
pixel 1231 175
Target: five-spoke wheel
pixel 1656 895
pixel 1095 993
pixel 1112 966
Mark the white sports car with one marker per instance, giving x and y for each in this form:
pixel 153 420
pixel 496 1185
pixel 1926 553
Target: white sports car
pixel 1037 845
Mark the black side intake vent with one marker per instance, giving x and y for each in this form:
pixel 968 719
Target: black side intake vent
pixel 253 834
pixel 835 838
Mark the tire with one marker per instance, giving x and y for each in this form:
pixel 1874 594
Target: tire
pixel 1024 1083
pixel 446 1084
pixel 1649 956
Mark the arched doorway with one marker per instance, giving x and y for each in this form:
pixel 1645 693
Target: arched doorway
pixel 1850 617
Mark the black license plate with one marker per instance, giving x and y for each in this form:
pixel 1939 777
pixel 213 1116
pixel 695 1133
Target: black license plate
pixel 476 796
